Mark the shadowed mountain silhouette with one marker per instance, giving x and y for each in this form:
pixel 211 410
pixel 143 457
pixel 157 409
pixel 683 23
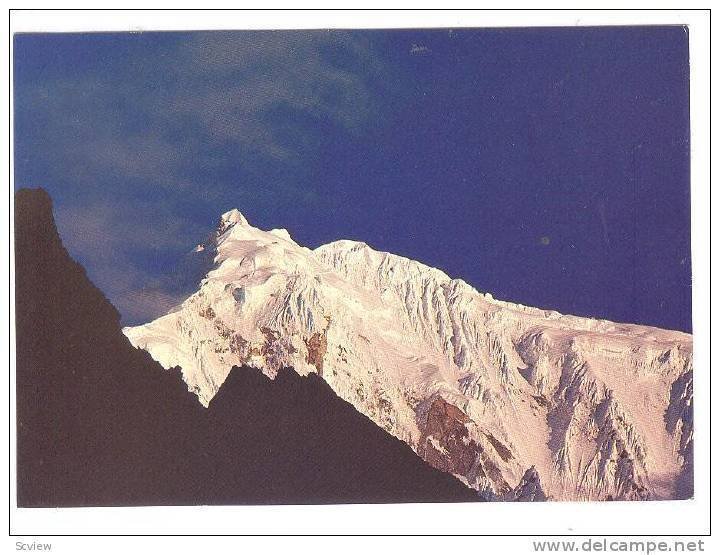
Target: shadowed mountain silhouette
pixel 99 423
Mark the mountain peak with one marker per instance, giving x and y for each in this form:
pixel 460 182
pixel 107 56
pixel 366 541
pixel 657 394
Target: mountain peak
pixel 231 218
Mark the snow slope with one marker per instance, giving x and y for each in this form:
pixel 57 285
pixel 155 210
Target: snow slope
pixel 520 403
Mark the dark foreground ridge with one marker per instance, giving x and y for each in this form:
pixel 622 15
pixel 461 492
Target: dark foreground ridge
pixel 100 423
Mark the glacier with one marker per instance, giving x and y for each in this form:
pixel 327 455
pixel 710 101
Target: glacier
pixel 517 402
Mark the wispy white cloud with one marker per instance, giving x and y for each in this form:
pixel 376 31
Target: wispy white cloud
pixel 183 116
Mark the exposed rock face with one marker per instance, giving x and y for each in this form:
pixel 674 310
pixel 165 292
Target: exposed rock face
pixel 679 424
pixel 480 388
pixel 529 488
pixel 316 349
pixel 100 423
pixel 446 444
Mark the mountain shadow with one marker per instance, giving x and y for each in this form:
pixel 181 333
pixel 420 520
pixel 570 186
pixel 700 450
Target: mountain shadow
pixel 99 423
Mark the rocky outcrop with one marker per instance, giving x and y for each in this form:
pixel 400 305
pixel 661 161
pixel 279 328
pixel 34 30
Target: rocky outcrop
pixel 529 488
pixel 446 444
pixel 316 349
pixel 679 423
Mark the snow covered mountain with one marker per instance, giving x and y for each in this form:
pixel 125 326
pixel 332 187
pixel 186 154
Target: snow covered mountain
pixel 519 403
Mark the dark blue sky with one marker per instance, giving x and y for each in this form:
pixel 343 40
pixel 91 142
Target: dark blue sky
pixel 547 166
